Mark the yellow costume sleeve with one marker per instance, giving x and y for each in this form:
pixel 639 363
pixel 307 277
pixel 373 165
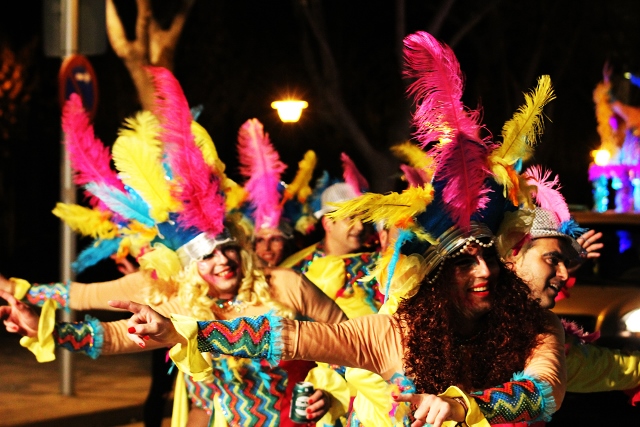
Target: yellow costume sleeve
pixel 373 405
pixel 591 368
pixel 324 378
pixel 43 345
pixel 188 358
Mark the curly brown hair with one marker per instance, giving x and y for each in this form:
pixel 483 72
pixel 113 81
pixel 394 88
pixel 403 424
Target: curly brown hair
pixel 436 358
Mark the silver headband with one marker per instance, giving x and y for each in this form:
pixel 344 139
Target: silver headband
pixel 201 246
pixel 452 242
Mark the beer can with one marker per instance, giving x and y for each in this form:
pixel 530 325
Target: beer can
pixel 299 402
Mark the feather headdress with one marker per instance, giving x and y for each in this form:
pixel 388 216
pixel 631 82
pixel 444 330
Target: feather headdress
pixel 440 115
pixel 261 165
pixel 198 187
pixel 90 159
pixel 352 175
pixel 421 164
pixel 519 136
pixel 300 185
pixel 548 197
pixel 437 91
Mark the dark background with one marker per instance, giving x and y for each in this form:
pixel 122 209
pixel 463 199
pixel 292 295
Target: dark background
pixel 235 57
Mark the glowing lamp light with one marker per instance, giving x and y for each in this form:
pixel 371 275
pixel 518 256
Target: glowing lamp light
pixel 601 157
pixel 290 110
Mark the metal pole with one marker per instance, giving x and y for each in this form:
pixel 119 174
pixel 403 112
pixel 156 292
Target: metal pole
pixel 69 26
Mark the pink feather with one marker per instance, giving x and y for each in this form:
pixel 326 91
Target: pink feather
pixel 547 192
pixel 90 159
pixel 463 168
pixel 414 176
pixel 352 175
pixel 261 165
pixel 439 113
pixel 198 186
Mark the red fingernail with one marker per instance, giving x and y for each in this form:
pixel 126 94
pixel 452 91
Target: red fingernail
pixel 141 344
pixel 394 396
pixel 146 337
pixel 131 330
pixel 310 401
pixel 308 411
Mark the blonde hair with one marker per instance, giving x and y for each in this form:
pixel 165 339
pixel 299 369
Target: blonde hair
pixel 254 289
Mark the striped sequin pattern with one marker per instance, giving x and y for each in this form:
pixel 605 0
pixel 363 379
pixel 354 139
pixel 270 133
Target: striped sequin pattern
pixel 511 402
pixel 248 337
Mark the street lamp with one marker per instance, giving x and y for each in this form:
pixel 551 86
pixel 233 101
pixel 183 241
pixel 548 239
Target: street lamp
pixel 289 110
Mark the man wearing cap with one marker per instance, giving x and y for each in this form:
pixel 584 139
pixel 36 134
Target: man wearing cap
pixel 544 257
pixel 334 264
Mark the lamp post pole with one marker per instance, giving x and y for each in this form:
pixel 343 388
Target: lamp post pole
pixel 69 26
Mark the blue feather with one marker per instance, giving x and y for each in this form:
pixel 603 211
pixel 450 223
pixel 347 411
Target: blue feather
pixel 94 253
pixel 128 205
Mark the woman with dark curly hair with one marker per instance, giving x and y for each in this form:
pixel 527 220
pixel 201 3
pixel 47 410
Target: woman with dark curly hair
pixel 472 344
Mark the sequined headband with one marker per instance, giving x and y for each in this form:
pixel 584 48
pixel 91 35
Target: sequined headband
pixel 452 242
pixel 202 245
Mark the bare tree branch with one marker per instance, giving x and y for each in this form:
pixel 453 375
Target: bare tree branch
pixel 152 46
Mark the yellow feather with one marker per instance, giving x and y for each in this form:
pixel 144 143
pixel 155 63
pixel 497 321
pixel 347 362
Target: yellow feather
pixel 139 163
pixel 138 237
pixel 162 260
pixel 519 135
pixel 143 125
pixel 300 184
pixel 86 221
pixel 396 209
pixel 414 156
pixel 235 194
pixel 208 148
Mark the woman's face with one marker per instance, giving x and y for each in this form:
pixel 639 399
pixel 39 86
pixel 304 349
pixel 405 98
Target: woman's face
pixel 269 246
pixel 475 272
pixel 222 270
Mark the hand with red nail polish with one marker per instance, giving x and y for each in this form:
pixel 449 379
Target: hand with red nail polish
pixel 319 405
pixel 148 325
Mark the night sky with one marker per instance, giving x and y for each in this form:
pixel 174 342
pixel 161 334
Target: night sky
pixel 235 57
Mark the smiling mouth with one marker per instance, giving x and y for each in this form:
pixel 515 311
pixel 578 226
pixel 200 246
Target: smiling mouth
pixel 555 287
pixel 227 274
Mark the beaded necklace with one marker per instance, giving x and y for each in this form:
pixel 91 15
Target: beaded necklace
pixel 226 305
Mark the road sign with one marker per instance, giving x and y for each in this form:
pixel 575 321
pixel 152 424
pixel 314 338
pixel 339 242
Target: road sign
pixel 77 76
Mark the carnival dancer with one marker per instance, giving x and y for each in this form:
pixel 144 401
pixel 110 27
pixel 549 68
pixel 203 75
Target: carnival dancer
pixel 272 208
pixel 541 247
pixel 197 266
pixel 336 264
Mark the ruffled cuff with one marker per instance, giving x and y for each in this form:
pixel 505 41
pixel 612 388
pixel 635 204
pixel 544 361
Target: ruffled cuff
pixel 38 294
pixel 474 417
pixel 43 344
pixel 20 287
pixel 329 381
pixel 524 398
pixel 187 357
pixel 81 337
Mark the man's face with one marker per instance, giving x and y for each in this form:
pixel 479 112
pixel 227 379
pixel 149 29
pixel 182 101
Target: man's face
pixel 269 246
pixel 222 270
pixel 544 268
pixel 475 271
pixel 344 236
